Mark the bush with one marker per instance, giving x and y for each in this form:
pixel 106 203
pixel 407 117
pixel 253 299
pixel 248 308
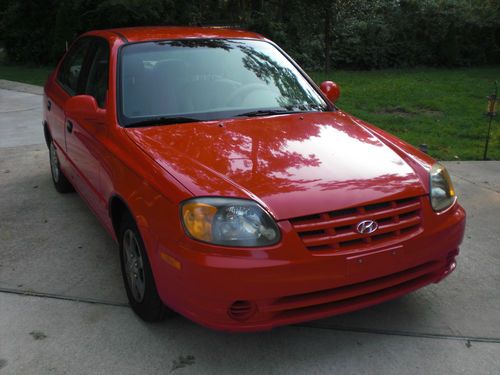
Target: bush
pixel 319 33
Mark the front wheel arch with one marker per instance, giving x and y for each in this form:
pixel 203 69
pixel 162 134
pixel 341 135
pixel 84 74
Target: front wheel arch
pixel 116 209
pixel 151 307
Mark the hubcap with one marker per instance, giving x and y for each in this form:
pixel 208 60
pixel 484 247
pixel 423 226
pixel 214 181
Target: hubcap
pixel 134 268
pixel 54 163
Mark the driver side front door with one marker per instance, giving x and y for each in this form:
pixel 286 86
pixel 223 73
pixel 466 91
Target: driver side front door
pixel 84 137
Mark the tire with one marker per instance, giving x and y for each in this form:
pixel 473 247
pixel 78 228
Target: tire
pixel 137 275
pixel 61 183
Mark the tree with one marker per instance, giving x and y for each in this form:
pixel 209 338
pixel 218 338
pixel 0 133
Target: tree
pixel 318 33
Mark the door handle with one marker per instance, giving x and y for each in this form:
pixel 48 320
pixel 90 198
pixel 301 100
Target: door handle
pixel 69 126
pixel 49 105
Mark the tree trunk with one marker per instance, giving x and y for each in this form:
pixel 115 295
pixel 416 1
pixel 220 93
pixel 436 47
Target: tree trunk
pixel 328 21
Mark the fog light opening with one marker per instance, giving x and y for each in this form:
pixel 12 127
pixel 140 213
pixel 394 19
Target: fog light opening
pixel 242 310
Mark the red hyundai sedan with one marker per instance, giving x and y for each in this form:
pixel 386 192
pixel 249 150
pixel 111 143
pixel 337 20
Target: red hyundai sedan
pixel 239 194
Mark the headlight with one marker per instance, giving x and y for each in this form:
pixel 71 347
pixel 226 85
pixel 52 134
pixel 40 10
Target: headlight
pixel 442 191
pixel 229 222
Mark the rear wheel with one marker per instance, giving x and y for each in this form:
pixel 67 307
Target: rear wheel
pixel 61 183
pixel 137 275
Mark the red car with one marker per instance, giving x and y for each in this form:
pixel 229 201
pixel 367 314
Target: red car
pixel 239 194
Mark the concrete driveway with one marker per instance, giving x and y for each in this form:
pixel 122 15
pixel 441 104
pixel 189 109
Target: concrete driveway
pixel 63 309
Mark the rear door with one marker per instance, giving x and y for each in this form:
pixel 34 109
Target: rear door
pixel 85 137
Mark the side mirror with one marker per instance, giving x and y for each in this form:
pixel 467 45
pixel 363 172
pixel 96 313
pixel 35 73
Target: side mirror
pixel 83 107
pixel 331 90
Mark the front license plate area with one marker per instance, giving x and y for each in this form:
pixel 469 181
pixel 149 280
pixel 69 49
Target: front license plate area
pixel 380 262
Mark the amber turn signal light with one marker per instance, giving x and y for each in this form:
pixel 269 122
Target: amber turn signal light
pixel 198 220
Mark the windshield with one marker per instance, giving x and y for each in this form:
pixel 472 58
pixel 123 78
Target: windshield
pixel 209 79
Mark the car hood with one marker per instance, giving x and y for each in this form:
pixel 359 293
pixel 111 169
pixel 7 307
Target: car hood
pixel 294 165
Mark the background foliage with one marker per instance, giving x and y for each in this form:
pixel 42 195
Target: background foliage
pixel 318 33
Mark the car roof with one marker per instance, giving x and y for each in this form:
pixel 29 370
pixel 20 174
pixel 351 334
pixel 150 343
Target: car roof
pixel 147 33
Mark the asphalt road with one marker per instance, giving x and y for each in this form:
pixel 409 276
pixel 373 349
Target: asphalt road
pixel 63 309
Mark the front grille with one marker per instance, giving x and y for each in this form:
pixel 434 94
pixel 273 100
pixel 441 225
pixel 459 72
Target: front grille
pixel 336 230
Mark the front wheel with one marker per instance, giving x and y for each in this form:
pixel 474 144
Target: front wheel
pixel 61 183
pixel 137 275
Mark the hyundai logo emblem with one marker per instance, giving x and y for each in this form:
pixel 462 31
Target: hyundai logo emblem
pixel 367 226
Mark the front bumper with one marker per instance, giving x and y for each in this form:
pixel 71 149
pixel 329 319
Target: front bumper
pixel 251 290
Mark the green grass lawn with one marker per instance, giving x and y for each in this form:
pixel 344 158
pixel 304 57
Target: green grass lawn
pixel 443 108
pixel 23 73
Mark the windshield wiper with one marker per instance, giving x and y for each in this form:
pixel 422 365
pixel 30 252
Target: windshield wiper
pixel 162 120
pixel 266 112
